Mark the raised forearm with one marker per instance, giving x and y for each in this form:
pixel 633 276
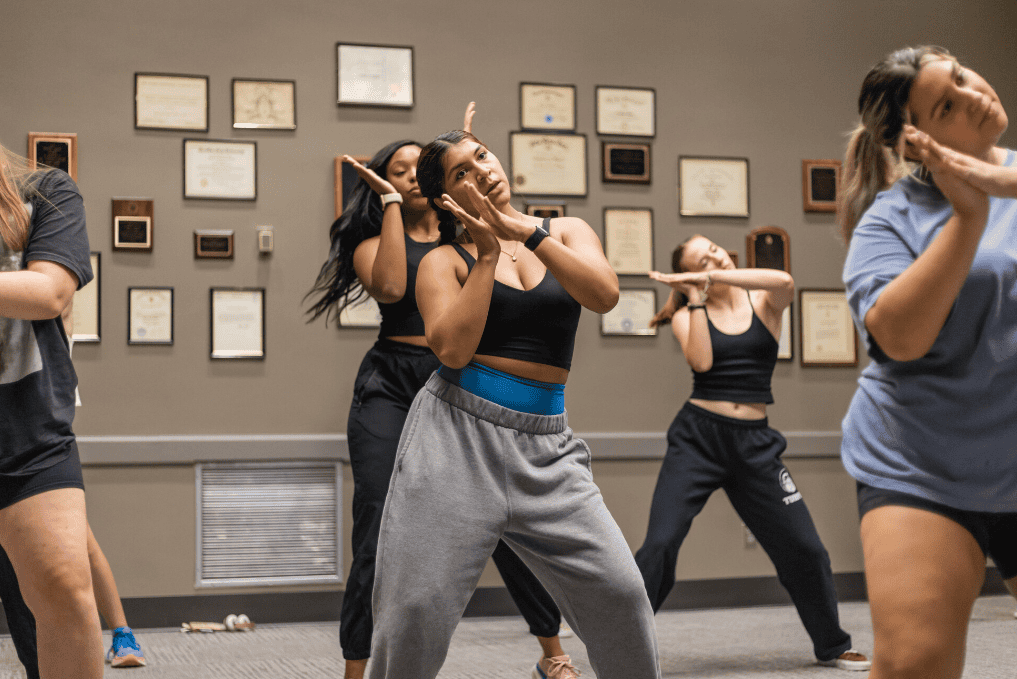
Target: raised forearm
pixel 754 279
pixel 589 280
pixel 388 275
pixel 32 296
pixel 909 314
pixel 455 335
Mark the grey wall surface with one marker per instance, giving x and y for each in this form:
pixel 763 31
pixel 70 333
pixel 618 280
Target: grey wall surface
pixel 775 82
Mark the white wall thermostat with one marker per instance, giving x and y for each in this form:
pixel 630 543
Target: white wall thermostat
pixel 266 240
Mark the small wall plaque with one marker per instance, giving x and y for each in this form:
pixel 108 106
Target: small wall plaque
pixel 213 244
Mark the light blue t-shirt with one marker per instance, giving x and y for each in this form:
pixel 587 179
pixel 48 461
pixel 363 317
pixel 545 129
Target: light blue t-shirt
pixel 944 426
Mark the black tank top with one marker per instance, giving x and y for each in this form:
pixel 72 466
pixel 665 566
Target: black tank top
pixel 402 318
pixel 537 325
pixel 742 365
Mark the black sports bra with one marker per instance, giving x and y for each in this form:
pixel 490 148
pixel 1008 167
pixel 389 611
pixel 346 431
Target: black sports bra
pixel 536 325
pixel 402 318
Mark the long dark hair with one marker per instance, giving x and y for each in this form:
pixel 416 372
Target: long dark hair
pixel 681 298
pixel 873 162
pixel 431 178
pixel 337 285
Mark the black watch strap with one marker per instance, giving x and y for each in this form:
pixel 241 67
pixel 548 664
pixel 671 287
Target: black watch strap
pixel 539 234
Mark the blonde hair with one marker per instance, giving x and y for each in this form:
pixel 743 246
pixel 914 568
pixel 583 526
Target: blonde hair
pixel 17 184
pixel 874 159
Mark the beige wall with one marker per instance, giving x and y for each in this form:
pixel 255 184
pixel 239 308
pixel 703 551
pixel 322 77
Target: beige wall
pixel 772 81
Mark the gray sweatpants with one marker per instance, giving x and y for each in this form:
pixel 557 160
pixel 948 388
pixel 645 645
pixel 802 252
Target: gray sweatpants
pixel 469 472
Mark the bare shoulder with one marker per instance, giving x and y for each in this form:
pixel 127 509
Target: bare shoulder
pixel 560 225
pixel 444 258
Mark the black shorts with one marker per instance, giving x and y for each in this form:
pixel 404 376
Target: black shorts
pixel 995 533
pixel 64 474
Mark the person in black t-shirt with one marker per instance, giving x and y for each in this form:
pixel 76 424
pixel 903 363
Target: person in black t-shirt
pixel 44 258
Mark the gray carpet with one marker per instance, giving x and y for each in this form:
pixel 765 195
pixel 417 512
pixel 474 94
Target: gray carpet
pixel 719 644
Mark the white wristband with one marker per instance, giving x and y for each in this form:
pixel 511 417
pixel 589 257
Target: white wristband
pixel 391 198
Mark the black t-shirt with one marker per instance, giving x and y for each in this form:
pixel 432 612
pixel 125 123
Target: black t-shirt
pixel 37 379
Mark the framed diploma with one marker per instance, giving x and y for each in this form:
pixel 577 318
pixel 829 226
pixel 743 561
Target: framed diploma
pixel 345 179
pixel 626 111
pixel 544 106
pixel 237 327
pixel 54 149
pixel 374 75
pixel 632 314
pixel 213 244
pixel 264 104
pixel 628 163
pixel 133 221
pixel 785 346
pixel 150 315
pixel 820 181
pixel 768 247
pixel 219 169
pixel 828 336
pixel 713 187
pixel 544 210
pixel 87 305
pixel 364 313
pixel 548 164
pixel 170 101
pixel 628 240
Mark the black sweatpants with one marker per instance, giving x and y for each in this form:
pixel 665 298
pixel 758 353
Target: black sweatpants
pixel 707 451
pixel 390 376
pixel 20 620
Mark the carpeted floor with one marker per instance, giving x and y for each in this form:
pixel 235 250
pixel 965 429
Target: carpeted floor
pixel 756 643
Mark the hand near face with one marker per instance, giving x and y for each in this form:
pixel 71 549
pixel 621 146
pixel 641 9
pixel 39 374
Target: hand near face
pixel 951 170
pixel 373 179
pixel 682 282
pixel 471 108
pixel 504 226
pixel 994 180
pixel 480 231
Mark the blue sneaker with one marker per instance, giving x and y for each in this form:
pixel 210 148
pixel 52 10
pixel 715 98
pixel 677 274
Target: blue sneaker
pixel 125 651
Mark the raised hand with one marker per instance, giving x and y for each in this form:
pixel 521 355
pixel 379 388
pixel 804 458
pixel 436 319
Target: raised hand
pixel 505 226
pixel 682 282
pixel 951 171
pixel 471 108
pixel 373 179
pixel 480 231
pixel 990 178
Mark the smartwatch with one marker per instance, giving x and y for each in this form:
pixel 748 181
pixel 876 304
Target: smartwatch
pixel 538 235
pixel 390 198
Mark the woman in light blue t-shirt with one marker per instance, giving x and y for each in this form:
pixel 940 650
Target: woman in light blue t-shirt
pixel 931 276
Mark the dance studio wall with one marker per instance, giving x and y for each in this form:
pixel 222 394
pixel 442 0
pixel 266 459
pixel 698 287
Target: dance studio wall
pixel 775 82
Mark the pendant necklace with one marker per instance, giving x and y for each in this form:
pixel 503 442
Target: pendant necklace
pixel 510 254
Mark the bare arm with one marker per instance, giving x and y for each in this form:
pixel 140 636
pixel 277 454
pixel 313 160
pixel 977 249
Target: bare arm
pixel 40 292
pixel 910 312
pixel 380 262
pixel 691 330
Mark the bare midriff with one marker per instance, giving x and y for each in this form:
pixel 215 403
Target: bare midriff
pixel 740 411
pixel 540 372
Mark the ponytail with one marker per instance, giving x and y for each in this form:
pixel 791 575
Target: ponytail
pixel 869 167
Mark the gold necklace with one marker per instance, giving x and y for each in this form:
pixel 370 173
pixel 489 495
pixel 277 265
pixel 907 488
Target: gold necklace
pixel 510 254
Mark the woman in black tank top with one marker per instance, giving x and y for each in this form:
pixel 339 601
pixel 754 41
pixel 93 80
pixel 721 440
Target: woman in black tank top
pixel 728 321
pixel 377 244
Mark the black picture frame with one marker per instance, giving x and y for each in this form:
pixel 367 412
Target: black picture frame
pixel 130 312
pixel 623 130
pixel 252 195
pixel 625 162
pixel 213 244
pixel 187 76
pixel 519 160
pixel 837 298
pixel 547 125
pixel 728 168
pixel 377 102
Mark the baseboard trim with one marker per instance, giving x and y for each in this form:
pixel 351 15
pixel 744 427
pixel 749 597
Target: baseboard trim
pixel 324 606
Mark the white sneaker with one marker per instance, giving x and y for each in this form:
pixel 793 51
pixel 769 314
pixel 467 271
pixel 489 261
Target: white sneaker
pixel 850 660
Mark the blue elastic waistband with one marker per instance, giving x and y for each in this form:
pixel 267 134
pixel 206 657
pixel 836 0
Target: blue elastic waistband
pixel 509 391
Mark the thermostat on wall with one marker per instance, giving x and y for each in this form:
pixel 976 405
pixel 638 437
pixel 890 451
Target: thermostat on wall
pixel 266 241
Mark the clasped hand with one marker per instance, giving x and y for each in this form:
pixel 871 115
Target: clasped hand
pixel 489 224
pixel 683 282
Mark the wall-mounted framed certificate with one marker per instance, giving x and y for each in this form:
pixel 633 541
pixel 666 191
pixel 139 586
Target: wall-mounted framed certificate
pixel 171 101
pixel 374 75
pixel 626 111
pixel 710 186
pixel 632 314
pixel 820 183
pixel 544 210
pixel 628 240
pixel 345 179
pixel 237 323
pixel 213 243
pixel 548 164
pixel 54 149
pixel 546 106
pixel 264 104
pixel 133 224
pixel 220 169
pixel 364 313
pixel 86 312
pixel 828 335
pixel 768 247
pixel 150 315
pixel 625 163
pixel 785 345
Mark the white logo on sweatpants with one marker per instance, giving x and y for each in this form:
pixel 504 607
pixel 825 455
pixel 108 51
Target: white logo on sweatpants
pixel 789 487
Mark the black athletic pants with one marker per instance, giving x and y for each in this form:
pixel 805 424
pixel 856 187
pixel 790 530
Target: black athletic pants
pixel 390 376
pixel 707 451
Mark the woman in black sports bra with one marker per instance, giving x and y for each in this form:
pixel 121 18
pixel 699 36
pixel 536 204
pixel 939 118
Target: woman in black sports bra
pixel 728 321
pixel 377 244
